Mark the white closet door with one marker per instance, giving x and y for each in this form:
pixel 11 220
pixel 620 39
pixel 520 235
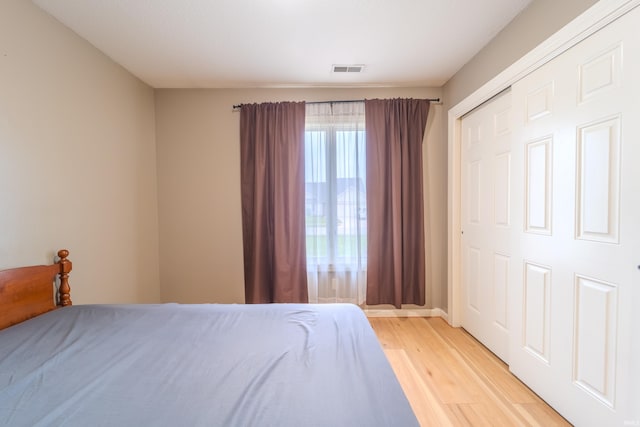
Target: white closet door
pixel 576 228
pixel 486 223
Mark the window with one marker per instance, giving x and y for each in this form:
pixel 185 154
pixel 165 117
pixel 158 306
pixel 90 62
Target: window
pixel 335 201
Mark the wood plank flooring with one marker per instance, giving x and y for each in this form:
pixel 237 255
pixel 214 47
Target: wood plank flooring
pixel 451 379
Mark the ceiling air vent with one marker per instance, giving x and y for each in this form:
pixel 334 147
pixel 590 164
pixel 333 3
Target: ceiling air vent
pixel 348 68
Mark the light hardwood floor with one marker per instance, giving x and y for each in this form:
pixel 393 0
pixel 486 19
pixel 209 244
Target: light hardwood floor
pixel 451 379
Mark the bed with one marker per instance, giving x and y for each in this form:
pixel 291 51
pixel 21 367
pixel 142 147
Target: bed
pixel 186 364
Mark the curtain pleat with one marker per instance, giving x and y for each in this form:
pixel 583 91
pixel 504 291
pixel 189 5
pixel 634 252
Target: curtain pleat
pixel 395 231
pixel 272 186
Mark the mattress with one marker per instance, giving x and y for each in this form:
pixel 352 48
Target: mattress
pixel 198 365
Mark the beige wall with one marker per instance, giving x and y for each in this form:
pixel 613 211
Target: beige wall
pixel 199 187
pixel 77 160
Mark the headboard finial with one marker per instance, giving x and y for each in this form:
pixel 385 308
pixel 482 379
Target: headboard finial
pixel 65 268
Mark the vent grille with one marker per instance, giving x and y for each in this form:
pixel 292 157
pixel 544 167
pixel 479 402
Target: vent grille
pixel 348 68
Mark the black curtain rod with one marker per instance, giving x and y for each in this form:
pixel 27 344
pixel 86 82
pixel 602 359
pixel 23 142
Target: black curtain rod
pixel 237 106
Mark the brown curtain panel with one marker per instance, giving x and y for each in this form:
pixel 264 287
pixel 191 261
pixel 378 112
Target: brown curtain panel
pixel 395 211
pixel 272 185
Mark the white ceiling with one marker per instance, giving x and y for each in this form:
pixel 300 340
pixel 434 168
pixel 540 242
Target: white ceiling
pixel 278 43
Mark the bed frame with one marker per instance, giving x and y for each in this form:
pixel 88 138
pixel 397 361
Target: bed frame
pixel 27 292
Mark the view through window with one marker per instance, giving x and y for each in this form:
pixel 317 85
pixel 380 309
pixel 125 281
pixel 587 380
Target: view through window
pixel 335 200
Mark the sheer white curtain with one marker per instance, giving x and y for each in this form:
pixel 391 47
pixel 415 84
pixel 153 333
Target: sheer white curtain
pixel 335 202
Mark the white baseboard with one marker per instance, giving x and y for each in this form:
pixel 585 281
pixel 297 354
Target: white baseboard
pixel 405 312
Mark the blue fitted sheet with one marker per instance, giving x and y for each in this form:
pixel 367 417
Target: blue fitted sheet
pixel 198 365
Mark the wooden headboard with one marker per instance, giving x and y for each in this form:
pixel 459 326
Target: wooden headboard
pixel 27 292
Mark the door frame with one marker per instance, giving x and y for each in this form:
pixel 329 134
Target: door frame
pixel 593 19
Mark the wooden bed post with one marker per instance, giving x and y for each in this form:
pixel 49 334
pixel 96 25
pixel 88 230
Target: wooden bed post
pixel 64 299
